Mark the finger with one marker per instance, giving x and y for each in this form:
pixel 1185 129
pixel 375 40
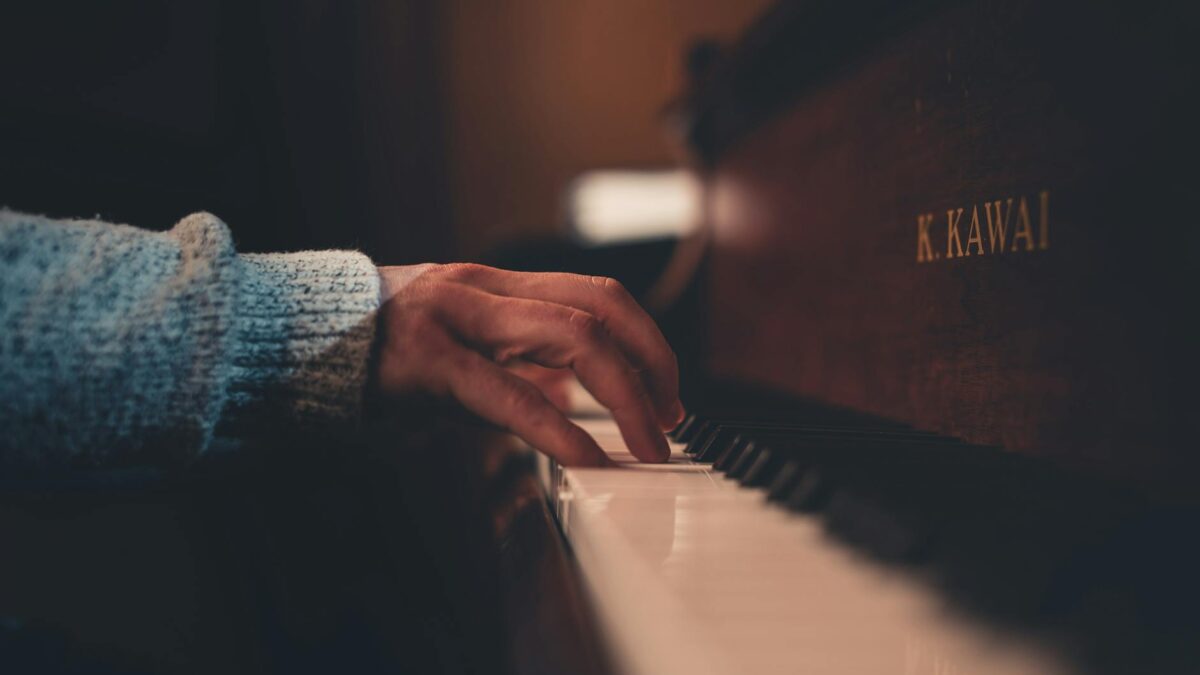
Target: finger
pixel 509 401
pixel 634 331
pixel 554 382
pixel 557 336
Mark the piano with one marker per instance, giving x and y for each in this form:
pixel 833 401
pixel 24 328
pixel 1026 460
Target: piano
pixel 935 348
pixel 936 345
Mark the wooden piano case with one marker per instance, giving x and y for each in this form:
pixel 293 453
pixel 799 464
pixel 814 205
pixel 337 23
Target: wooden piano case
pixel 974 217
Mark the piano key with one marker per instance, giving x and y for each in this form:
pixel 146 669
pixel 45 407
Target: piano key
pixel 728 439
pixel 715 440
pixel 732 453
pixel 785 481
pixel 745 460
pixel 695 574
pixel 686 429
pixel 886 533
pixel 813 468
pixel 766 465
pixel 852 440
pixel 971 507
pixel 811 492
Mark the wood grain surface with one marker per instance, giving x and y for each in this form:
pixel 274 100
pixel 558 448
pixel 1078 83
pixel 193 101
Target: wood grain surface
pixel 1072 342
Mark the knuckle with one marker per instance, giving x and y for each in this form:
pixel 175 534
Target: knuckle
pixel 585 328
pixel 463 272
pixel 525 401
pixel 455 361
pixel 610 287
pixel 506 353
pixel 636 389
pixel 424 269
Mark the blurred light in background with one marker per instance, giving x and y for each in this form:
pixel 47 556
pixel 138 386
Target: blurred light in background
pixel 614 206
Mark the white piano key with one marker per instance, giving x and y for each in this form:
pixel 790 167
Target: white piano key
pixel 690 573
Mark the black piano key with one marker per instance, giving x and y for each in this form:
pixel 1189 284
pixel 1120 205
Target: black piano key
pixel 921 478
pixel 699 435
pixel 834 453
pixel 785 480
pixel 766 465
pixel 983 522
pixel 832 464
pixel 731 455
pixel 699 425
pixel 839 456
pixel 715 443
pixel 812 437
pixel 811 491
pixel 887 533
pixel 711 451
pixel 999 530
pixel 718 445
pixel 745 460
pixel 797 431
pixel 780 470
pixel 683 432
pixel 812 426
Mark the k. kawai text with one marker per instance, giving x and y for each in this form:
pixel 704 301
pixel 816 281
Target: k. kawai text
pixel 997 227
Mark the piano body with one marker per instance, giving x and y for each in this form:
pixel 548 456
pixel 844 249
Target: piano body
pixel 937 352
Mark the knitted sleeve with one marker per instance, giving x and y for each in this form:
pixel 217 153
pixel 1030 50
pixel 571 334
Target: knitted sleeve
pixel 120 345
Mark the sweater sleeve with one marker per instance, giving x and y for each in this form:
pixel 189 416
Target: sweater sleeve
pixel 122 345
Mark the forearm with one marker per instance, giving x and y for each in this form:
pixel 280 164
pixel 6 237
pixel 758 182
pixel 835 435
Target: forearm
pixel 124 345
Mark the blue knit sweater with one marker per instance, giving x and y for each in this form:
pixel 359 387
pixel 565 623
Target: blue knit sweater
pixel 120 345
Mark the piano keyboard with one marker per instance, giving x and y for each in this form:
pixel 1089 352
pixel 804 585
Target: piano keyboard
pixel 690 571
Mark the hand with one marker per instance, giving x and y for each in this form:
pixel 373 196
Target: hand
pixel 446 329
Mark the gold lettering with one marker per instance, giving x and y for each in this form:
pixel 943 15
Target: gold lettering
pixel 1044 241
pixel 1024 229
pixel 953 242
pixel 974 236
pixel 1009 229
pixel 997 227
pixel 924 246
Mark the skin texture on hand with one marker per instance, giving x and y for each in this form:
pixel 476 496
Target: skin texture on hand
pixel 450 330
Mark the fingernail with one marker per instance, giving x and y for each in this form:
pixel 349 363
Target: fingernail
pixel 664 449
pixel 678 412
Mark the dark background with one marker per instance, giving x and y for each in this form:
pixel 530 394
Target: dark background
pixel 268 114
pixel 414 130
